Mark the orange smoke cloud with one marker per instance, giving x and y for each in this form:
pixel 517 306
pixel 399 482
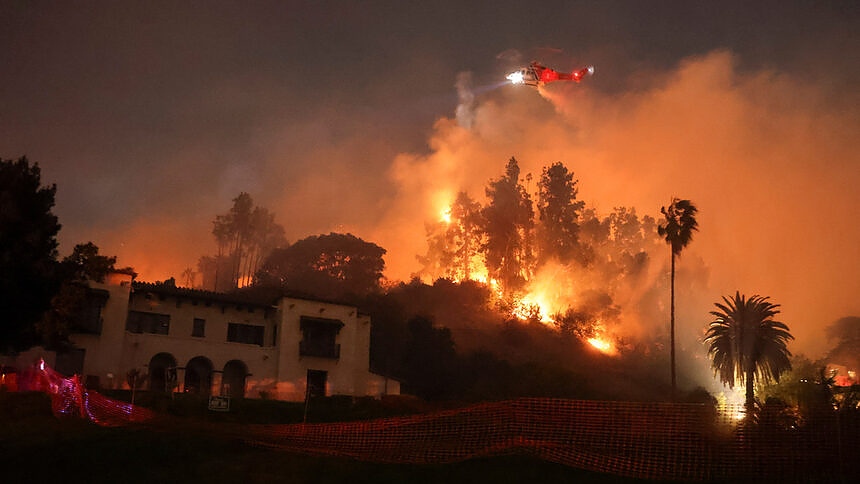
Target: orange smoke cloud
pixel 767 157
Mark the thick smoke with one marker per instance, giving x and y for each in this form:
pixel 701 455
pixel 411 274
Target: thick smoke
pixel 766 156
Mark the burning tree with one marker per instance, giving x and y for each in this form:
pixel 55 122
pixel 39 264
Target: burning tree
pixel 547 270
pixel 559 211
pixel 454 242
pixel 508 225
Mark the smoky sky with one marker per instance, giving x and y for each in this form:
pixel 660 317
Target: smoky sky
pixel 343 116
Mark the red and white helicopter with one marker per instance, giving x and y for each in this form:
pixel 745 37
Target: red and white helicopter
pixel 536 75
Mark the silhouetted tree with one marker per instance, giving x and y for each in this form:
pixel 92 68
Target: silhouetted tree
pixel 74 308
pixel 245 236
pixel 508 223
pixel 594 235
pixel 387 334
pixel 188 277
pixel 677 229
pixel 466 235
pixel 429 361
pixel 330 266
pixel 559 210
pixel 453 245
pixel 85 264
pixel 746 344
pixel 28 250
pixel 214 271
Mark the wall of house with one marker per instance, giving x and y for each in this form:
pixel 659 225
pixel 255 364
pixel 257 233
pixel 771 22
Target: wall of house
pixel 140 348
pixel 341 372
pixel 104 352
pixel 277 369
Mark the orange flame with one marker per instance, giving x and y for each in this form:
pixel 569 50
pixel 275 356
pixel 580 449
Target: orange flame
pixel 603 345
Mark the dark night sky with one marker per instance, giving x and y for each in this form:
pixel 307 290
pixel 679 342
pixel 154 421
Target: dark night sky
pixel 340 116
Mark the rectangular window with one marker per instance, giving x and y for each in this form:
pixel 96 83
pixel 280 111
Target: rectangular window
pixel 152 323
pixel 319 337
pixel 245 333
pixel 87 318
pixel 199 328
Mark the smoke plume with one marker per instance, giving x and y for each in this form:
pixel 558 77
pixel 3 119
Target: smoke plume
pixel 767 157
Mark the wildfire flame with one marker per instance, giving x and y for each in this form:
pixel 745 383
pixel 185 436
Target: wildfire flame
pixel 603 345
pixel 445 215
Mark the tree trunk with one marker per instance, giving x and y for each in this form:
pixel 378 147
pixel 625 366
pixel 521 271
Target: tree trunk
pixel 672 325
pixel 749 403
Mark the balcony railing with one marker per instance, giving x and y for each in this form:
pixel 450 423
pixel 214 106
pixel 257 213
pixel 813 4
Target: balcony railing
pixel 313 348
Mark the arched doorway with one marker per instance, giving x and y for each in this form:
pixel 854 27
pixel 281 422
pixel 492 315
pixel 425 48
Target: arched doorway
pixel 162 372
pixel 233 380
pixel 198 376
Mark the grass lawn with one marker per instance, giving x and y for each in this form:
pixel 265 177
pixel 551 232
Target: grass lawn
pixel 37 447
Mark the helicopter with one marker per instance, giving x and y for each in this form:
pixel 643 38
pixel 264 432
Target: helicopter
pixel 537 75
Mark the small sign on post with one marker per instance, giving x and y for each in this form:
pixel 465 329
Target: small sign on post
pixel 219 404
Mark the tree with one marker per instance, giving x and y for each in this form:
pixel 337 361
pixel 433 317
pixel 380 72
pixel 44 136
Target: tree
pixel 508 223
pixel 430 361
pixel 28 250
pixel 74 308
pixel 188 277
pixel 677 229
pixel 85 264
pixel 453 244
pixel 746 344
pixel 558 212
pixel 330 266
pixel 245 236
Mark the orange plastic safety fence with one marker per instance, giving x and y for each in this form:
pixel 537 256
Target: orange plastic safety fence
pixel 69 398
pixel 661 441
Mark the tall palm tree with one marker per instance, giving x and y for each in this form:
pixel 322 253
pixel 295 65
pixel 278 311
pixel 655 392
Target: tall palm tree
pixel 677 229
pixel 746 344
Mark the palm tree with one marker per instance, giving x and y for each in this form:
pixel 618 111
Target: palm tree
pixel 680 223
pixel 746 344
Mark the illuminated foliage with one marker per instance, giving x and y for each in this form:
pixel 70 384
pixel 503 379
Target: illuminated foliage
pixel 453 245
pixel 746 344
pixel 508 224
pixel 559 212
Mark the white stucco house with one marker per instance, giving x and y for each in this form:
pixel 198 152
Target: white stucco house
pixel 188 340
